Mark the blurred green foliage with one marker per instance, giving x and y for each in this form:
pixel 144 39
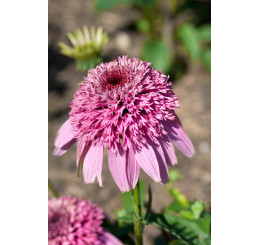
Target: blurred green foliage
pixel 196 42
pixel 187 40
pixel 102 5
pixel 157 52
pixel 188 36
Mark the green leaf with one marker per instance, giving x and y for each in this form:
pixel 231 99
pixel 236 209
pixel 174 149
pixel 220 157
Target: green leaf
pixel 176 194
pixel 174 207
pixel 186 214
pixel 142 192
pixel 181 228
pixel 197 208
pixel 157 52
pixel 189 36
pixel 205 33
pixel 124 216
pixel 179 197
pixel 103 5
pixel 127 201
pixel 204 223
pixel 206 58
pixel 143 25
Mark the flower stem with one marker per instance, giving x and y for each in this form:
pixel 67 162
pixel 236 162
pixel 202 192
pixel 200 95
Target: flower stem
pixel 138 226
pixel 51 188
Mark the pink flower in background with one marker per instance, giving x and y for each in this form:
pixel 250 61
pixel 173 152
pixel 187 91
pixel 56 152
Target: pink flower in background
pixel 128 107
pixel 73 221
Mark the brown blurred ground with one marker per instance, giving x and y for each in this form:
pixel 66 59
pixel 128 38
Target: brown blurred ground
pixel 193 91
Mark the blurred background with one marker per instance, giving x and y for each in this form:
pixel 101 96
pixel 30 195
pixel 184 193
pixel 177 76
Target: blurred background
pixel 175 36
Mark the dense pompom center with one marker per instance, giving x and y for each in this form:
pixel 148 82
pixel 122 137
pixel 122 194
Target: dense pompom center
pixel 55 218
pixel 113 79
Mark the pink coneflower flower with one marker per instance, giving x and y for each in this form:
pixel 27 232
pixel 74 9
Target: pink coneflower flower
pixel 128 107
pixel 73 221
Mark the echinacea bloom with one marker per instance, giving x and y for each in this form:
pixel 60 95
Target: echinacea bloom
pixel 128 107
pixel 74 221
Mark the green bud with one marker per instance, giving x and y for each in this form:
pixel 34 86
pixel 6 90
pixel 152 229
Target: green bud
pixel 86 47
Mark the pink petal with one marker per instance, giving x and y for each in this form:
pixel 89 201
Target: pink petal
pixel 59 152
pixel 161 160
pixel 132 169
pixel 82 149
pixel 147 160
pixel 168 150
pixel 109 239
pixel 92 164
pixel 117 167
pixel 177 134
pixel 64 139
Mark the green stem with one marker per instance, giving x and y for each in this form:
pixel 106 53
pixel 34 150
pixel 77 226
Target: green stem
pixel 138 226
pixel 51 188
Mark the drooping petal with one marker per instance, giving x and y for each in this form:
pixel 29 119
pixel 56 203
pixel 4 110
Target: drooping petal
pixel 147 160
pixel 168 150
pixel 161 160
pixel 117 166
pixel 110 239
pixel 177 134
pixel 92 164
pixel 132 168
pixel 59 152
pixel 82 149
pixel 64 139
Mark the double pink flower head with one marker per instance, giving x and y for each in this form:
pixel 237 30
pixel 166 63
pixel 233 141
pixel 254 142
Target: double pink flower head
pixel 74 221
pixel 127 107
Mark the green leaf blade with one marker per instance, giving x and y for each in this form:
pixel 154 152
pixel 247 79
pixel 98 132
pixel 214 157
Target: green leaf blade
pixel 181 228
pixel 189 37
pixel 158 53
